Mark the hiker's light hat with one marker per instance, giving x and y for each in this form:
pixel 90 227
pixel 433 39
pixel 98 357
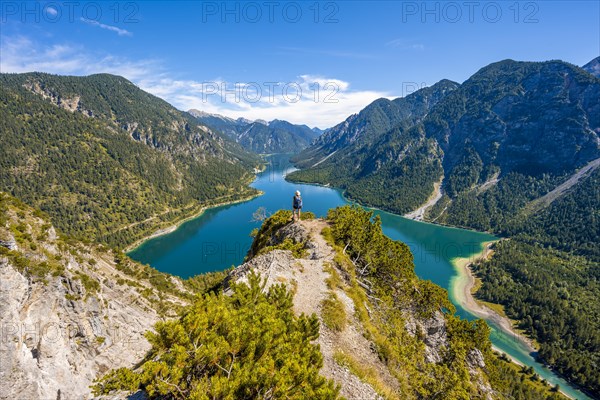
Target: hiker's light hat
pixel 298 192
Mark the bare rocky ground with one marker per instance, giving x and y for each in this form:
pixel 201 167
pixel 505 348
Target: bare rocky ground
pixel 57 334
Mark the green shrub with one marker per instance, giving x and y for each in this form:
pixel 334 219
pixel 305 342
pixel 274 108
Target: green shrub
pixel 307 215
pixel 231 347
pixel 267 230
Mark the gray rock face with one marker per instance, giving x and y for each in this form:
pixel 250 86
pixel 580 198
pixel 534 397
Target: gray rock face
pixel 295 232
pixel 593 67
pixel 538 117
pixel 433 333
pixel 54 340
pixel 9 244
pixel 61 329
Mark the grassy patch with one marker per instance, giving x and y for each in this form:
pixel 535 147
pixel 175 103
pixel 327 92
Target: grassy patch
pixel 90 284
pixel 334 281
pixel 333 313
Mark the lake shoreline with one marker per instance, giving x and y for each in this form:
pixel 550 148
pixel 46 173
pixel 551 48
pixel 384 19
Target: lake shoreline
pixel 462 286
pixel 172 228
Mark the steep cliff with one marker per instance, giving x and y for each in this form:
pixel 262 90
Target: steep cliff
pixel 69 311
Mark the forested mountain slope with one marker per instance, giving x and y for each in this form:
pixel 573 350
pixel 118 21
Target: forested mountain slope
pixel 547 277
pixel 514 128
pixel 376 156
pixel 108 161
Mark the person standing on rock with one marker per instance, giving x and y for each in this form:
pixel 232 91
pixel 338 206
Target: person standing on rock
pixel 296 206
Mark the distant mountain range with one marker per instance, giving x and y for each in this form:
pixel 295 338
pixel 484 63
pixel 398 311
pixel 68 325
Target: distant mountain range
pixel 260 136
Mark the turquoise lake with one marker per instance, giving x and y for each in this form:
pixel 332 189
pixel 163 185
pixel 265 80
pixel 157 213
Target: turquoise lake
pixel 220 238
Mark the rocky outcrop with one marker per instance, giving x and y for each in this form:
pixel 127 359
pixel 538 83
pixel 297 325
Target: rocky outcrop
pixel 71 104
pixel 307 278
pixel 68 312
pixel 55 342
pixel 9 244
pixel 433 331
pixel 593 67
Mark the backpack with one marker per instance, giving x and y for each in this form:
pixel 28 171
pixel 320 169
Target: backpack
pixel 297 202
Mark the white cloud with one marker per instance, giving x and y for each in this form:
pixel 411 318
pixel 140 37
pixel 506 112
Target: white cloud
pixel 312 100
pixel 405 44
pixel 119 31
pixel 20 54
pixel 52 11
pixel 309 99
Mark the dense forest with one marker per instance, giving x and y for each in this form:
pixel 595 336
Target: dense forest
pixel 547 277
pixel 385 185
pixel 120 165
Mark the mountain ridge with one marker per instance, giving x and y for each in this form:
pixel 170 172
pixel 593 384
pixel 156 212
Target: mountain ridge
pixel 593 67
pixel 259 136
pixel 98 154
pixel 376 338
pixel 451 130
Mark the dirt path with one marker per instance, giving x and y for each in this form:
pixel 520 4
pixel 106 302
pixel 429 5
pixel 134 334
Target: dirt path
pixel 307 278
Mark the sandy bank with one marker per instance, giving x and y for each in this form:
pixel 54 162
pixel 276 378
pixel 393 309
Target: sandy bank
pixel 461 288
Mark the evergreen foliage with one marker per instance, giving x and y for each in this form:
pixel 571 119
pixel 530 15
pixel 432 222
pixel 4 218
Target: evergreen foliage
pixel 386 268
pixel 505 138
pixel 244 346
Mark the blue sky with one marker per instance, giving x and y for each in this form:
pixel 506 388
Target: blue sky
pixel 307 62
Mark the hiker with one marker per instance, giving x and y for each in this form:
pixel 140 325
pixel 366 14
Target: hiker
pixel 297 206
